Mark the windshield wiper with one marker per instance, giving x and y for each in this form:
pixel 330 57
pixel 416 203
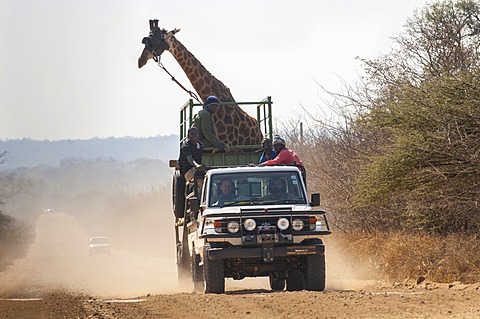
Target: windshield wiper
pixel 239 202
pixel 260 202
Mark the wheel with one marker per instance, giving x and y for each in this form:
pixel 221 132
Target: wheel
pixel 213 272
pixel 295 280
pixel 315 273
pixel 315 270
pixel 275 283
pixel 178 194
pixel 197 273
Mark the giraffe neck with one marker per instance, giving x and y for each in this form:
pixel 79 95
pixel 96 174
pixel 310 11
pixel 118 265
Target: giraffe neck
pixel 231 124
pixel 202 80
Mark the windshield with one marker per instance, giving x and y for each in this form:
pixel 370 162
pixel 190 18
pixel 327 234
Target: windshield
pixel 241 189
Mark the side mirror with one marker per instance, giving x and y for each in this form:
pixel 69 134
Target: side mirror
pixel 315 200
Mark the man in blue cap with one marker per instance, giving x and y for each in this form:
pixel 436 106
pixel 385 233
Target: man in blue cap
pixel 203 122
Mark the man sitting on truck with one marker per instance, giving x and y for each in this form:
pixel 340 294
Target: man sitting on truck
pixel 203 122
pixel 284 155
pixel 191 152
pixel 268 152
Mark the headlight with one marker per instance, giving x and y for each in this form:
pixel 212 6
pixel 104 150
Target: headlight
pixel 297 224
pixel 233 226
pixel 283 223
pixel 250 224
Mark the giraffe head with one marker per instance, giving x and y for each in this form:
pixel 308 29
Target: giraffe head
pixel 155 43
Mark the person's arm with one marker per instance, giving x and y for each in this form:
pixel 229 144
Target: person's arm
pixel 262 158
pixel 206 124
pixel 192 162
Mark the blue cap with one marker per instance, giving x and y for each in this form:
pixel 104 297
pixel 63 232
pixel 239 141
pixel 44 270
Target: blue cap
pixel 212 99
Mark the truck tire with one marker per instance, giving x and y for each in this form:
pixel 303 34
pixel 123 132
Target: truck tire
pixel 275 283
pixel 197 273
pixel 214 274
pixel 178 194
pixel 295 280
pixel 315 273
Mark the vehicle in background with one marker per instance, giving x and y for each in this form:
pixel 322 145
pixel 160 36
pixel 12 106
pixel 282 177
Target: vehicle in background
pixel 99 245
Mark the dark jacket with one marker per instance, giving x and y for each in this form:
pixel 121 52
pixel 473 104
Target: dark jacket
pixel 203 122
pixel 196 150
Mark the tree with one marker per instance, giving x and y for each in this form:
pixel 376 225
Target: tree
pixel 418 114
pixel 15 236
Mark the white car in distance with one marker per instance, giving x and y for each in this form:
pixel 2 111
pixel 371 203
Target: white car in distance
pixel 99 245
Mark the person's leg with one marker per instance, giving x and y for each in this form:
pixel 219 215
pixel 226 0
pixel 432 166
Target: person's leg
pixel 189 174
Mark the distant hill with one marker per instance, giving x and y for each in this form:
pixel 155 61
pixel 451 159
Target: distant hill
pixel 30 153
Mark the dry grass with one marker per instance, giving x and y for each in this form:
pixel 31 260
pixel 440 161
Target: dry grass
pixel 397 256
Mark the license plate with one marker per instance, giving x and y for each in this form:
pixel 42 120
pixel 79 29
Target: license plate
pixel 301 250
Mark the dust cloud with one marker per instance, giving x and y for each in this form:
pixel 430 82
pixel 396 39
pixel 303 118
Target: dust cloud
pixel 142 259
pixel 345 271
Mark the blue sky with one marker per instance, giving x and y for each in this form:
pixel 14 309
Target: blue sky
pixel 68 69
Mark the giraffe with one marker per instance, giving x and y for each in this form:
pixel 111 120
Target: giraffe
pixel 230 123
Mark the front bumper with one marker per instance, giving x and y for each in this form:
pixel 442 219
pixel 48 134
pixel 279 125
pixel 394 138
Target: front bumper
pixel 268 253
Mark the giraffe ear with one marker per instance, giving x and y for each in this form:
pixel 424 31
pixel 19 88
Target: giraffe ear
pixel 175 30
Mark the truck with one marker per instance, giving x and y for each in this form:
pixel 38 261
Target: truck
pixel 253 234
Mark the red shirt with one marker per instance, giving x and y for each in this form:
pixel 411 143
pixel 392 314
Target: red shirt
pixel 285 156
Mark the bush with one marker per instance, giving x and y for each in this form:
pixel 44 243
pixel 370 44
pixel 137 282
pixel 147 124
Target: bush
pixel 15 237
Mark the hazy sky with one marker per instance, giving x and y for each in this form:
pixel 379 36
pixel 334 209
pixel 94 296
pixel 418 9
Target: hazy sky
pixel 68 68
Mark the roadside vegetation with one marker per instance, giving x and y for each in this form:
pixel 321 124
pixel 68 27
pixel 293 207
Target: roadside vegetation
pixel 398 165
pixel 15 236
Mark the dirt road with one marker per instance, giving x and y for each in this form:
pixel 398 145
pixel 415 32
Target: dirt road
pixel 59 280
pixel 457 301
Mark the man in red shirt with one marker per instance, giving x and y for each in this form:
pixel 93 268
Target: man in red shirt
pixel 284 155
